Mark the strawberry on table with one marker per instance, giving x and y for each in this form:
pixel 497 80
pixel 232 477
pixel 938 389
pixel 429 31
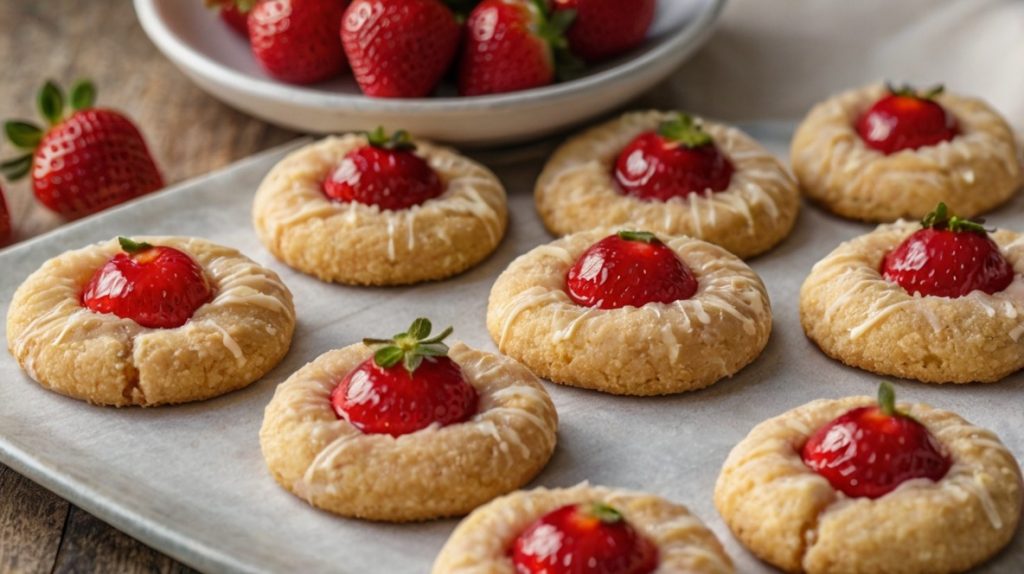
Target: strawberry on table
pixel 408 384
pixel 512 45
pixel 156 286
pixel 906 119
pixel 604 29
pixel 677 160
pixel 869 451
pixel 631 268
pixel 948 257
pixel 84 162
pixel 399 48
pixel 588 538
pixel 386 173
pixel 296 41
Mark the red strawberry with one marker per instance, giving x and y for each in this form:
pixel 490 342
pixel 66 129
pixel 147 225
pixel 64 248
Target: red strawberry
pixel 949 257
pixel 677 160
pixel 511 45
pixel 296 41
pixel 606 28
pixel 5 220
pixel 905 119
pixel 869 451
pixel 385 173
pixel 408 384
pixel 631 268
pixel 399 48
pixel 84 163
pixel 591 538
pixel 157 287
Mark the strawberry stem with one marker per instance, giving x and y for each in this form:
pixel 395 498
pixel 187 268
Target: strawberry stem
pixel 604 513
pixel 642 236
pixel 940 219
pixel 683 129
pixel 132 247
pixel 409 347
pixel 887 399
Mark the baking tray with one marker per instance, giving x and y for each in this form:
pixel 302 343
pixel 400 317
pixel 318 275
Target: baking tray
pixel 190 480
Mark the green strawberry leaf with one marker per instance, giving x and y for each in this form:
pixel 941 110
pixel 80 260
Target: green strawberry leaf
pixel 410 347
pixel 17 168
pixel 83 95
pixel 132 246
pixel 51 102
pixel 24 135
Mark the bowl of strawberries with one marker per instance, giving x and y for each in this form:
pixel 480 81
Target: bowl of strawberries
pixel 472 72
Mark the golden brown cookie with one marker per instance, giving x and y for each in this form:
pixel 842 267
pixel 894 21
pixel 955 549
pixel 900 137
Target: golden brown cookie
pixel 356 243
pixel 858 317
pixel 793 518
pixel 228 343
pixel 974 172
pixel 482 541
pixel 434 472
pixel 576 191
pixel 654 349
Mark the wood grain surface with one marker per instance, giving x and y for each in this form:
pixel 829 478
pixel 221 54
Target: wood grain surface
pixel 189 134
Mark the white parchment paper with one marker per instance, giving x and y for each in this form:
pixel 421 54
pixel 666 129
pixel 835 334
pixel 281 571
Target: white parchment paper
pixel 190 480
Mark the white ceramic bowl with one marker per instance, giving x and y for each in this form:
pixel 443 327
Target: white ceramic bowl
pixel 220 63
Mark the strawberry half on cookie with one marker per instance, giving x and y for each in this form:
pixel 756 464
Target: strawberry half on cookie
pixel 399 48
pixel 906 119
pixel 630 268
pixel 678 159
pixel 408 384
pixel 84 162
pixel 386 173
pixel 296 41
pixel 156 286
pixel 948 257
pixel 869 451
pixel 588 538
pixel 514 45
pixel 604 29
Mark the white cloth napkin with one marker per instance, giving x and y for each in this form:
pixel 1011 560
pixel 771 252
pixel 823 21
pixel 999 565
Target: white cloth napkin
pixel 774 59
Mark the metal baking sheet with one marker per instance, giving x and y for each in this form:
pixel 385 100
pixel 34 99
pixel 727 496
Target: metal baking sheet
pixel 190 480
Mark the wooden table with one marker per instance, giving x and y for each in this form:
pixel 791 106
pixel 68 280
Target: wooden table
pixel 189 133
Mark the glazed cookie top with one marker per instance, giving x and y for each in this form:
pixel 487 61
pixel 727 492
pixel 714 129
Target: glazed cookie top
pixel 406 401
pixel 428 183
pixel 80 296
pixel 940 274
pixel 660 167
pixel 637 533
pixel 707 278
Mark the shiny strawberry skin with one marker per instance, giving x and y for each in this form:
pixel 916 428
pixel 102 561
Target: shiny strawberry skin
pixel 502 53
pixel 898 122
pixel 390 400
pixel 617 272
pixel 867 453
pixel 399 48
pixel 389 179
pixel 945 263
pixel 569 540
pixel 5 220
pixel 93 160
pixel 604 29
pixel 296 41
pixel 158 288
pixel 654 168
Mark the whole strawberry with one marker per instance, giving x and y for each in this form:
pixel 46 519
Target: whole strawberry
pixel 606 28
pixel 386 173
pixel 512 45
pixel 399 48
pixel 675 161
pixel 906 119
pixel 948 257
pixel 588 538
pixel 296 41
pixel 631 268
pixel 155 286
pixel 5 220
pixel 84 162
pixel 869 451
pixel 408 384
